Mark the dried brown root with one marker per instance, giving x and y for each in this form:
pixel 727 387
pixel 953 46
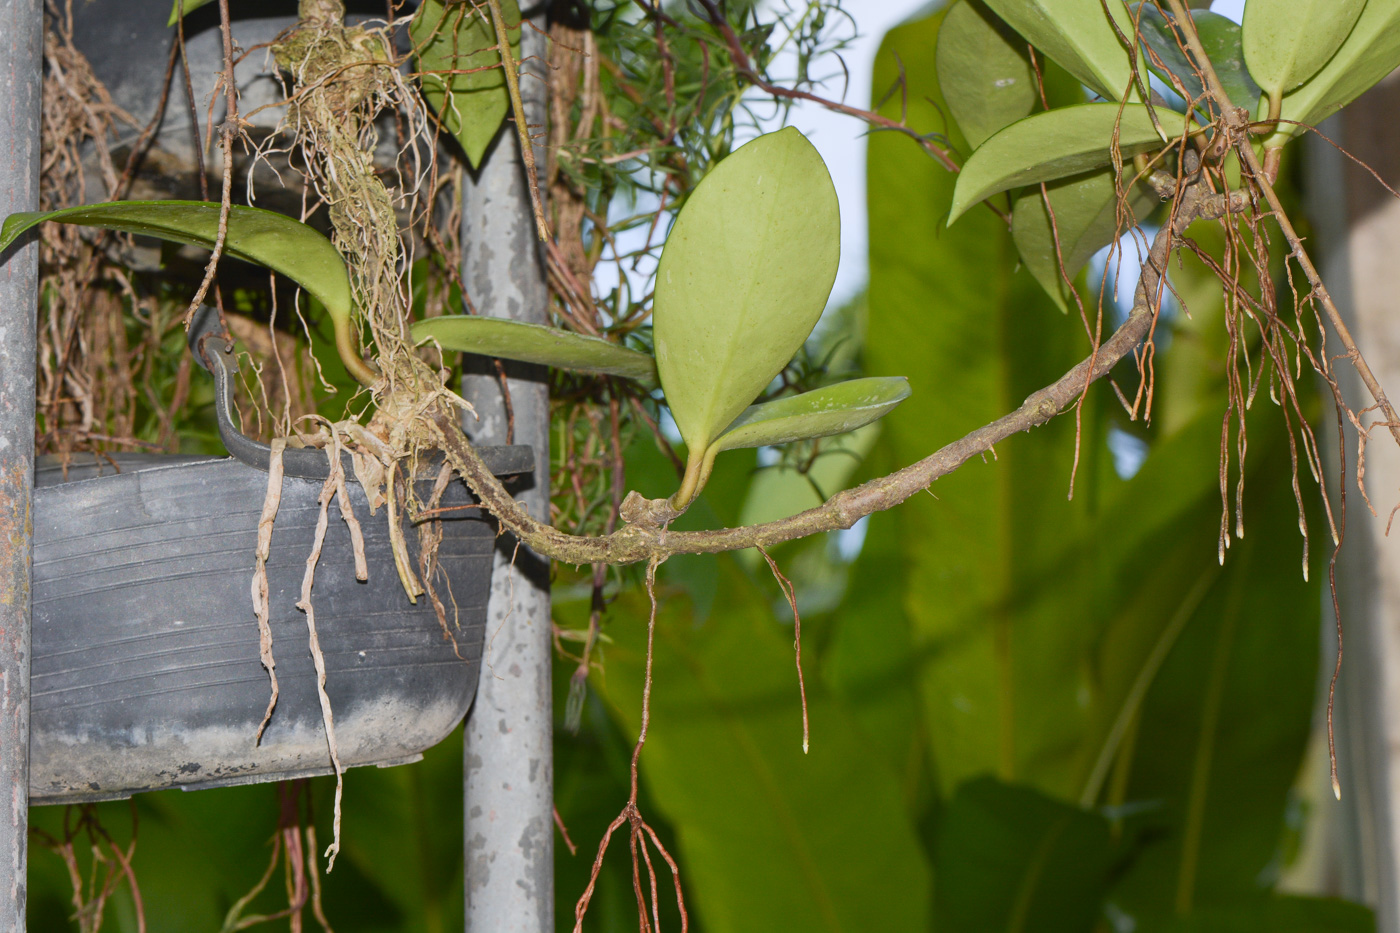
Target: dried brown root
pixel 271 503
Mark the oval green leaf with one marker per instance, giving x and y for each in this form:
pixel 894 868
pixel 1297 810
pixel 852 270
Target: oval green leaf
pixel 1078 35
pixel 834 409
pixel 984 70
pixel 745 274
pixel 1370 52
pixel 462 78
pixel 1050 145
pixel 1086 219
pixel 1286 42
pixel 1221 38
pixel 189 6
pixel 265 238
pixel 533 343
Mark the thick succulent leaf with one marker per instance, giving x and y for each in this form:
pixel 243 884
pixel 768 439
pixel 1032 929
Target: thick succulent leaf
pixel 985 71
pixel 189 6
pixel 1371 52
pixel 459 37
pixel 1077 34
pixel 834 409
pixel 1086 220
pixel 743 278
pixel 1054 144
pixel 533 343
pixel 1222 41
pixel 1287 41
pixel 1011 858
pixel 282 244
pixel 269 239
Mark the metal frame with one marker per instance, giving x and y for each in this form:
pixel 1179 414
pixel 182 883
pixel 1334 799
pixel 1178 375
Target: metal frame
pixel 21 64
pixel 508 749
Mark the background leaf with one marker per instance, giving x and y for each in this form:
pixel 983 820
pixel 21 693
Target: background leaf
pixel 985 71
pixel 1287 41
pixel 1275 915
pixel 535 343
pixel 460 37
pixel 991 562
pixel 744 275
pixel 1010 858
pixel 1077 34
pixel 1050 145
pixel 1086 220
pixel 772 839
pixel 833 409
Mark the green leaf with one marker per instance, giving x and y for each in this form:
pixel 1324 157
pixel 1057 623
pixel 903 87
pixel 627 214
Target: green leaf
pixel 1010 858
pixel 1371 52
pixel 745 274
pixel 189 6
pixel 284 245
pixel 1286 42
pixel 1277 914
pixel 460 37
pixel 985 71
pixel 833 409
pixel 987 584
pixel 1086 219
pixel 1054 144
pixel 534 343
pixel 1221 733
pixel 1078 35
pixel 771 839
pixel 1221 38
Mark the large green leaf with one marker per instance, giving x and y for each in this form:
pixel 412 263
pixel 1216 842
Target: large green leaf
pixel 1220 36
pixel 993 561
pixel 744 275
pixel 985 71
pixel 1078 35
pixel 1010 858
pixel 534 343
pixel 1370 52
pixel 1054 144
pixel 1287 41
pixel 1271 915
pixel 833 409
pixel 462 79
pixel 1085 220
pixel 280 243
pixel 1221 733
pixel 771 839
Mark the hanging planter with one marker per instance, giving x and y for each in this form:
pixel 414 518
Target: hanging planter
pixel 145 660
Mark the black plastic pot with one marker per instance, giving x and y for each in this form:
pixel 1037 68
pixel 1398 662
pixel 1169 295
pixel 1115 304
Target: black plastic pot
pixel 145 666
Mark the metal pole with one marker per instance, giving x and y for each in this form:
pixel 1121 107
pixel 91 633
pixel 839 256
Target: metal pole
pixel 508 754
pixel 21 61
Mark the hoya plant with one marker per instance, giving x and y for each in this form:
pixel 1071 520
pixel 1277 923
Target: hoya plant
pixel 1070 126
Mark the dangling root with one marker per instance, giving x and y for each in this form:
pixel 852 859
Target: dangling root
pixel 640 832
pixel 260 605
pixel 334 485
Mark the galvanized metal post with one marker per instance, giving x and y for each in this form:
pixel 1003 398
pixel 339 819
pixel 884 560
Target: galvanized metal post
pixel 508 758
pixel 21 61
